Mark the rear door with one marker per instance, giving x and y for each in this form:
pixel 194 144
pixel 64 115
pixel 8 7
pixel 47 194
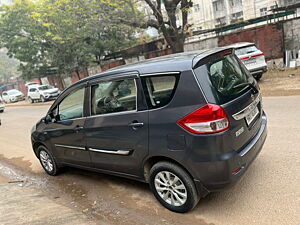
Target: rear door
pixel 226 82
pixel 117 130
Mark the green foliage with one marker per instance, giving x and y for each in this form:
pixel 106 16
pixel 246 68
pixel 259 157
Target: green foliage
pixel 63 35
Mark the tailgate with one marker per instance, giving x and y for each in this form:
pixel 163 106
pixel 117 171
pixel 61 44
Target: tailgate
pixel 245 115
pixel 225 81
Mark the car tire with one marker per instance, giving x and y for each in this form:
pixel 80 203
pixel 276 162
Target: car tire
pixel 42 98
pixel 47 161
pixel 1 111
pixel 30 100
pixel 173 187
pixel 258 76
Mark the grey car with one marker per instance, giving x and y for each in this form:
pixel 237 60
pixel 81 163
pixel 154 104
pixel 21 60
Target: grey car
pixel 188 124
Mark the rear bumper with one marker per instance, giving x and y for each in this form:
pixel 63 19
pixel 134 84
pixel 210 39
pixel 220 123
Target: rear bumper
pixel 259 70
pixel 232 168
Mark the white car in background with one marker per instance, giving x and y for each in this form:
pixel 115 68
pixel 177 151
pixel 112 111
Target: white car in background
pixel 42 93
pixel 13 95
pixel 2 105
pixel 252 58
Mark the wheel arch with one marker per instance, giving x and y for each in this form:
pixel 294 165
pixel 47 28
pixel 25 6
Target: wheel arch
pixel 35 147
pixel 150 162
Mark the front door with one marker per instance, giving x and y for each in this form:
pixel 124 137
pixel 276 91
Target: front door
pixel 66 131
pixel 116 132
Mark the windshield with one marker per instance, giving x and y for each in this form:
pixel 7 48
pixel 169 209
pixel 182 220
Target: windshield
pixel 13 92
pixel 246 50
pixel 46 87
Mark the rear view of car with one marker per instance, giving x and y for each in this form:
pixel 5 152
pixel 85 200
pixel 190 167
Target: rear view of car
pixel 252 57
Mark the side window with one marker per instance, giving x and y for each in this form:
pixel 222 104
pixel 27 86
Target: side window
pixel 5 94
pixel 32 90
pixel 159 90
pixel 113 96
pixel 71 107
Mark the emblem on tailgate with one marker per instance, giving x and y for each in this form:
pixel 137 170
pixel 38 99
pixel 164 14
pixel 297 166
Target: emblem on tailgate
pixel 239 132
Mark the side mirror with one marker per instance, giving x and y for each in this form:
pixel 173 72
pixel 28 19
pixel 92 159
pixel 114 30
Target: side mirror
pixel 47 119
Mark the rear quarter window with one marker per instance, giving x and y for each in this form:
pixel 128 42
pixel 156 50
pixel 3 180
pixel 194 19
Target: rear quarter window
pixel 159 90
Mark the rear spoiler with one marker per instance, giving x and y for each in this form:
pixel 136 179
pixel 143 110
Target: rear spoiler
pixel 211 55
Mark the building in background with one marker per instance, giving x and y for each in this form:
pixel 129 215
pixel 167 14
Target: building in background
pixel 210 14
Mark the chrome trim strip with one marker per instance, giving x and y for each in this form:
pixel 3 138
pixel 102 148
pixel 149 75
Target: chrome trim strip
pixel 160 73
pixel 246 111
pixel 71 147
pixel 115 152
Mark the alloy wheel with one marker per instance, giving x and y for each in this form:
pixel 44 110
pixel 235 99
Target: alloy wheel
pixel 46 161
pixel 170 188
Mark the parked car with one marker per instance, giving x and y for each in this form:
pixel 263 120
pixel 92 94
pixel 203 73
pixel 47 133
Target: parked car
pixel 252 57
pixel 188 124
pixel 2 105
pixel 30 84
pixel 13 95
pixel 42 93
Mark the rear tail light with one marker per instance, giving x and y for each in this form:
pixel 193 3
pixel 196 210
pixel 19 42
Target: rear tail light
pixel 206 120
pixel 254 56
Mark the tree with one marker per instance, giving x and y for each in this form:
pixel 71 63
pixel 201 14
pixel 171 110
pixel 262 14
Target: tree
pixel 165 19
pixel 62 35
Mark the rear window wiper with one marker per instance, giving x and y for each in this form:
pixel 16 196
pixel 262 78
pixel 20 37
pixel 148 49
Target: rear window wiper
pixel 247 84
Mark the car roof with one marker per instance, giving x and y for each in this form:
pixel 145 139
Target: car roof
pixel 178 62
pixel 240 45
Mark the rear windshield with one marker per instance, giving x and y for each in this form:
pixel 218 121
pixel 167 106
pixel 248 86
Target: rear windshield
pixel 226 74
pixel 246 50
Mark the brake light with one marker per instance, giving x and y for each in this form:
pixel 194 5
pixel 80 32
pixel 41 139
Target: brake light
pixel 206 120
pixel 254 56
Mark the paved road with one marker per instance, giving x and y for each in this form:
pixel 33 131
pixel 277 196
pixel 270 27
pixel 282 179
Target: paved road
pixel 269 192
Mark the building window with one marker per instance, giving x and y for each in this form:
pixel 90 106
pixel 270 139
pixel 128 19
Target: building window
pixel 236 3
pixel 196 7
pixel 220 22
pixel 236 17
pixel 264 11
pixel 218 5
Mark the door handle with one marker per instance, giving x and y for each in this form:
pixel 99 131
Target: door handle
pixel 135 125
pixel 78 128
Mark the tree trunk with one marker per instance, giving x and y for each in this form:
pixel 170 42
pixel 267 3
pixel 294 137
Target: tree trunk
pixel 78 74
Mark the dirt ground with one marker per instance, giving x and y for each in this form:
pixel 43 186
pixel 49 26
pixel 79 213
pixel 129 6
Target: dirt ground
pixel 281 83
pixel 267 194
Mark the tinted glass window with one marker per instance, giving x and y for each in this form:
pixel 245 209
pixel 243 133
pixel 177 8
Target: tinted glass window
pixel 71 106
pixel 32 90
pixel 246 50
pixel 159 90
pixel 226 74
pixel 46 87
pixel 113 96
